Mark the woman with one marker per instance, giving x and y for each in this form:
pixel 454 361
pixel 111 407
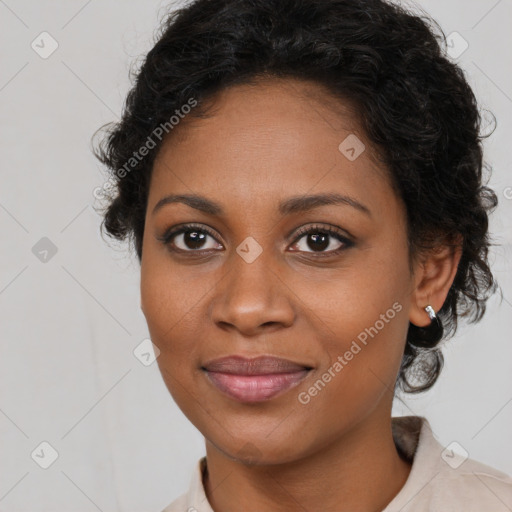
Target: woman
pixel 302 183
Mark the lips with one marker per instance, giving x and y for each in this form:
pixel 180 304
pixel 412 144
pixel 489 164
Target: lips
pixel 254 379
pixel 262 365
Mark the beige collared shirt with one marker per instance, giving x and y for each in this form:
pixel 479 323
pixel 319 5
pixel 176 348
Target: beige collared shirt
pixel 440 479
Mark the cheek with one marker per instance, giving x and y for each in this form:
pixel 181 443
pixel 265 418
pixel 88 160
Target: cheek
pixel 361 359
pixel 361 316
pixel 362 342
pixel 170 297
pixel 169 305
pixel 174 306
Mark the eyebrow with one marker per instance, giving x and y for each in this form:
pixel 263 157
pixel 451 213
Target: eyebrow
pixel 296 204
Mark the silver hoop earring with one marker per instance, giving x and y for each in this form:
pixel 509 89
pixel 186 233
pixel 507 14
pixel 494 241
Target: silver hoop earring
pixel 430 312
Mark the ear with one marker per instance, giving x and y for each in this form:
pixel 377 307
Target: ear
pixel 434 273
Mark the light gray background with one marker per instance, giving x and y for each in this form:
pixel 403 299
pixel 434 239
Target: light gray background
pixel 69 326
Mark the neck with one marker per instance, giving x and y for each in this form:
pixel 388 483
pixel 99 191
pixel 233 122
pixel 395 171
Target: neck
pixel 360 471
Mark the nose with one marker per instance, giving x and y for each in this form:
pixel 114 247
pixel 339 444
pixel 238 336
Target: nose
pixel 252 298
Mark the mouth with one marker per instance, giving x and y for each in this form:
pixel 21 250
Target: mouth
pixel 254 380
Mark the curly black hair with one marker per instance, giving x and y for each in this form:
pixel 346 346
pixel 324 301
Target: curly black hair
pixel 413 101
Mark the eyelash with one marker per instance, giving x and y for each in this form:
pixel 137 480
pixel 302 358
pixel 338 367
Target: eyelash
pixel 167 237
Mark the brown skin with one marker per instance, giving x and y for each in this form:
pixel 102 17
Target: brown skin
pixel 264 144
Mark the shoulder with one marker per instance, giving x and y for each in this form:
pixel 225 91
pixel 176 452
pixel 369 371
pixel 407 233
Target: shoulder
pixel 444 478
pixel 178 505
pixel 474 485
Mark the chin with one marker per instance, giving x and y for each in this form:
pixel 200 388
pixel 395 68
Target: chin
pixel 254 452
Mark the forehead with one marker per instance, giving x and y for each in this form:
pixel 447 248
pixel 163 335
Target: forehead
pixel 267 140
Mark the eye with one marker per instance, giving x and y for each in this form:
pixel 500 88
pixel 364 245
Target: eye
pixel 322 240
pixel 189 238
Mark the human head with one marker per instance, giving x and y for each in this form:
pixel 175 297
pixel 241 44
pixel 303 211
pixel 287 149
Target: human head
pixel 412 103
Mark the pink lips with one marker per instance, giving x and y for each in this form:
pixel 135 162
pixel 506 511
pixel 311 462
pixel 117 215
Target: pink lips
pixel 254 380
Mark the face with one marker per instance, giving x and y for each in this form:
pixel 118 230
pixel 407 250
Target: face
pixel 260 268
